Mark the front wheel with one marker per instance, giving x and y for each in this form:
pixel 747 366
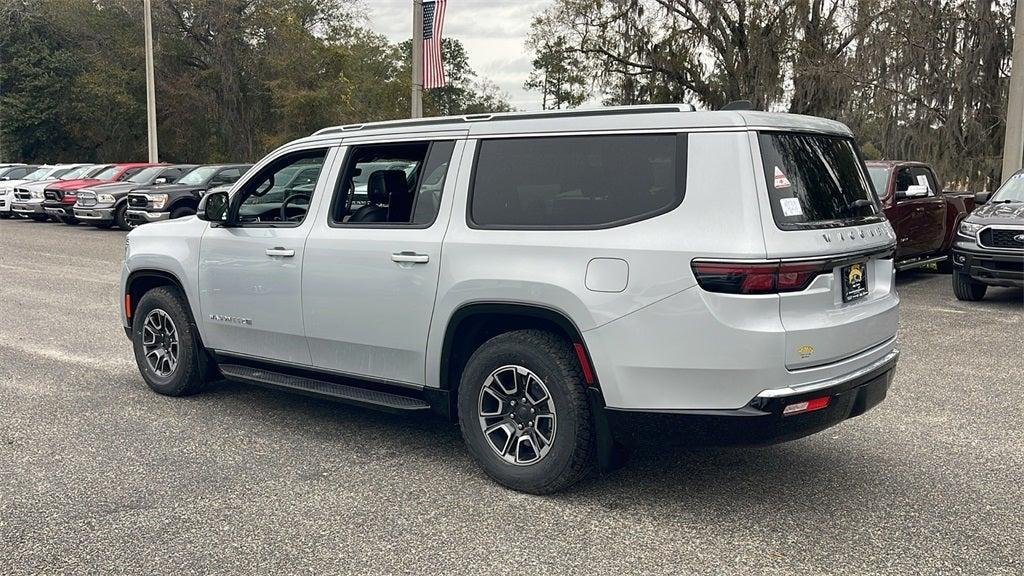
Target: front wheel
pixel 121 217
pixel 166 344
pixel 524 414
pixel 965 288
pixel 182 212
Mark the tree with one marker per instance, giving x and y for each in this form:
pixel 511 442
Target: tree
pixel 558 73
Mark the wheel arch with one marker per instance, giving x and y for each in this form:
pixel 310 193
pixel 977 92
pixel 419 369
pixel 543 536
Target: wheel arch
pixel 141 281
pixel 472 324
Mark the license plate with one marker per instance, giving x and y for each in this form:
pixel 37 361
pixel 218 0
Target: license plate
pixel 855 281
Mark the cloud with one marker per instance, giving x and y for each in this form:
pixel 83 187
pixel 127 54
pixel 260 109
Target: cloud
pixel 493 32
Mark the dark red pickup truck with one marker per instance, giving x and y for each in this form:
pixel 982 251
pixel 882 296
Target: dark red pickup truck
pixel 925 218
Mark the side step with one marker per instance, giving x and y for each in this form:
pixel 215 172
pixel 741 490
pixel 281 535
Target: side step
pixel 342 392
pixel 901 266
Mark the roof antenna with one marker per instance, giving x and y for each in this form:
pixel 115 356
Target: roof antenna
pixel 739 105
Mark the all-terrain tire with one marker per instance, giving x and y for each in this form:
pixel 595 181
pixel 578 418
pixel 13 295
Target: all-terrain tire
pixel 190 374
pixel 121 217
pixel 967 289
pixel 550 357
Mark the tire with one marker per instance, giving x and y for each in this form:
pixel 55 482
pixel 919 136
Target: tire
pixel 188 375
pixel 967 289
pixel 39 218
pixel 570 455
pixel 121 217
pixel 70 220
pixel 5 215
pixel 182 212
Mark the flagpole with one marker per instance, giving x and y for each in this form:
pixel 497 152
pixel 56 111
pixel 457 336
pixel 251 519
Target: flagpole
pixel 417 58
pixel 150 84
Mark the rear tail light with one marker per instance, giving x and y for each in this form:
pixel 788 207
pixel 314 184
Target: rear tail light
pixel 758 277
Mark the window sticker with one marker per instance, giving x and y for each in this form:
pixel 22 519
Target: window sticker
pixel 791 206
pixel 922 180
pixel 780 179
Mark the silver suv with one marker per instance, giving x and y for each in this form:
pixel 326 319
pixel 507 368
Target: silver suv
pixel 543 279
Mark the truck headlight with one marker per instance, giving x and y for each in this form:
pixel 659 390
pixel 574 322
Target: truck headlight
pixel 970 229
pixel 37 193
pixel 105 198
pixel 157 200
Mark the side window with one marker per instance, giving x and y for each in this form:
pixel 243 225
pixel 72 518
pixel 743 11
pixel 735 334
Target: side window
pixel 923 177
pixel 576 181
pixel 281 191
pixel 392 184
pixel 904 180
pixel 226 176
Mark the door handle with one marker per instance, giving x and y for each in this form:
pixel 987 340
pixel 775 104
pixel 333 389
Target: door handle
pixel 410 257
pixel 278 251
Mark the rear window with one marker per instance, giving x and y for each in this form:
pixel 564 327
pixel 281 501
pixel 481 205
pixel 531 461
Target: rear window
pixel 577 181
pixel 816 181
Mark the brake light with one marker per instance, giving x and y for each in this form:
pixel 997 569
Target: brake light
pixel 757 277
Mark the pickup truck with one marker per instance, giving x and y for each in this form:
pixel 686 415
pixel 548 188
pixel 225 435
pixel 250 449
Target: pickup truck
pixel 925 218
pixel 989 250
pixel 170 201
pixel 106 205
pixel 60 197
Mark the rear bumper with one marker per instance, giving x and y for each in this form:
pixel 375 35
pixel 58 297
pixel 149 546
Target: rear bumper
pixel 761 421
pixel 990 266
pixel 144 216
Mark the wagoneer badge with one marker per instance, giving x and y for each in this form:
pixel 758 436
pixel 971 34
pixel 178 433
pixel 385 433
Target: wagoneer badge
pixel 231 319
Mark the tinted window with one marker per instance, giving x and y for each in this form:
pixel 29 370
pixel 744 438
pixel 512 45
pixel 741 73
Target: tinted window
pixel 582 181
pixel 435 171
pixel 880 178
pixel 1011 191
pixel 816 181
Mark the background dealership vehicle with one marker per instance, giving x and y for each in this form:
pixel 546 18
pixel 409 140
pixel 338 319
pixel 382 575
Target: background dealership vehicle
pixel 989 248
pixel 169 201
pixel 28 195
pixel 10 173
pixel 727 269
pixel 924 217
pixel 105 205
pixel 59 198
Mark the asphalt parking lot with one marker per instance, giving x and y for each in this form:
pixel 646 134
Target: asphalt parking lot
pixel 98 474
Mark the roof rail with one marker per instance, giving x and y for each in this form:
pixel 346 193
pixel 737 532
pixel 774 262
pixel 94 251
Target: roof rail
pixel 576 113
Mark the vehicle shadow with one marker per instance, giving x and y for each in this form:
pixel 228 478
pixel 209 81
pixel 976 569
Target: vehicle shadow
pixel 656 474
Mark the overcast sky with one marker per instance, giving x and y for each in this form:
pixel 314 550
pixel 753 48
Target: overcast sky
pixel 493 32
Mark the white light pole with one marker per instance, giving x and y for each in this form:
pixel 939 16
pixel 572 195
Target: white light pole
pixel 1013 144
pixel 150 84
pixel 417 58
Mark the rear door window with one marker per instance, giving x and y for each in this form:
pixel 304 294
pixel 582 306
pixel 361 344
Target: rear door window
pixel 816 181
pixel 576 181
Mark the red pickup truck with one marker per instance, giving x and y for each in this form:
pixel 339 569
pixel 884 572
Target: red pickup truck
pixel 924 217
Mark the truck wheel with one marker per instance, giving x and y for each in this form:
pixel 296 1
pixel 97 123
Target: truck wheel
pixel 182 212
pixel 967 289
pixel 70 220
pixel 39 218
pixel 524 414
pixel 121 217
pixel 166 344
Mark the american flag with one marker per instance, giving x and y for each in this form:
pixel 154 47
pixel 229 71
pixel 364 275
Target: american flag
pixel 433 64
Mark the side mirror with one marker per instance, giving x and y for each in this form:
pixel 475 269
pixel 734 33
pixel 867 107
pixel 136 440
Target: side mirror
pixel 981 197
pixel 213 207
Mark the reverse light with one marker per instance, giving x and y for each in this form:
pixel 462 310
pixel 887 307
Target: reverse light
pixel 806 406
pixel 758 277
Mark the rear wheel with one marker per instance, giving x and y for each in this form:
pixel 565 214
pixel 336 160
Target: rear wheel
pixel 182 212
pixel 524 414
pixel 166 344
pixel 965 288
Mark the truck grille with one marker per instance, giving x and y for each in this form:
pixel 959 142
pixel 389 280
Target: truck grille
pixel 55 195
pixel 137 201
pixel 86 199
pixel 992 237
pixel 22 194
